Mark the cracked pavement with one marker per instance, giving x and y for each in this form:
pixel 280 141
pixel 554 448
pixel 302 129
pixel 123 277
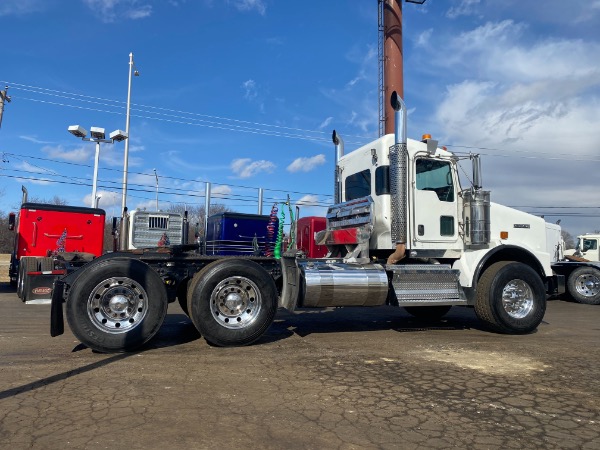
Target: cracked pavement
pixel 354 378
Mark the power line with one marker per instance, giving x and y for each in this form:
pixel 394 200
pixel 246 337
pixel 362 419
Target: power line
pixel 189 118
pixel 56 93
pixel 161 176
pixel 149 189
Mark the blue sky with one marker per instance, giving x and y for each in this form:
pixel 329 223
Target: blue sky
pixel 245 94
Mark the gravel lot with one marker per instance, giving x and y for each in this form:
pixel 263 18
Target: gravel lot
pixel 323 379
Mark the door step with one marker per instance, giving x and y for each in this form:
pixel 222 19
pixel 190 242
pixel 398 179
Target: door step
pixel 426 284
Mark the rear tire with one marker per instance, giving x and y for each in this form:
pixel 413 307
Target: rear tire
pixel 584 285
pixel 46 264
pixel 26 264
pixel 510 298
pixel 232 302
pixel 116 305
pixel 182 290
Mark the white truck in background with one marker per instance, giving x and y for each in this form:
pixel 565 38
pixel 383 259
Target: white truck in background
pixel 586 247
pixel 581 269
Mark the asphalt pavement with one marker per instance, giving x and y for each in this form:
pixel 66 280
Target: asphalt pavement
pixel 354 378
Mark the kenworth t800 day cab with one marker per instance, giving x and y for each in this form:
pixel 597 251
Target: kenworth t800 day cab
pixel 402 232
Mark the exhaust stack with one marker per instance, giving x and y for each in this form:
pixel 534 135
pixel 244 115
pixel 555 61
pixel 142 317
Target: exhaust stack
pixel 339 152
pixel 476 213
pixel 398 173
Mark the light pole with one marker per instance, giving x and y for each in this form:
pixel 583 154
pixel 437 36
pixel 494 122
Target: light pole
pixel 134 72
pixel 156 189
pixel 97 135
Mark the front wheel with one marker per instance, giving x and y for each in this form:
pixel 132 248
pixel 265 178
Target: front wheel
pixel 232 302
pixel 116 305
pixel 584 285
pixel 510 298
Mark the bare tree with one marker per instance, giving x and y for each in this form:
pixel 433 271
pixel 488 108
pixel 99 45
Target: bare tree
pixel 56 200
pixel 196 217
pixel 568 238
pixel 7 237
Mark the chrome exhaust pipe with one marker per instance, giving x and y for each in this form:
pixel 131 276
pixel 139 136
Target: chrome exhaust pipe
pixel 339 152
pixel 399 173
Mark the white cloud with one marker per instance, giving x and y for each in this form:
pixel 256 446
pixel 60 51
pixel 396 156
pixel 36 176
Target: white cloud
pixel 519 86
pixel 220 191
pixel 250 92
pixel 355 98
pixel 464 8
pixel 311 205
pixel 35 175
pixel 107 199
pixel 306 164
pixel 308 200
pixel 246 168
pixel 325 123
pixel 78 155
pixel 21 7
pixel 111 10
pixel 139 13
pixel 34 139
pixel 250 5
pixel 424 38
pixel 501 50
pixel 531 106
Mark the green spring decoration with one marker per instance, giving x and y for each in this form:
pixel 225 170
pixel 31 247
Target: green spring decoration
pixel 277 251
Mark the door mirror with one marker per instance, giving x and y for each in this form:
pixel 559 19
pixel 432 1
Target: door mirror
pixel 12 220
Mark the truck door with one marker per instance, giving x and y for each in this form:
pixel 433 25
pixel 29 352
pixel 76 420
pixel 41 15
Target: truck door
pixel 589 249
pixel 435 209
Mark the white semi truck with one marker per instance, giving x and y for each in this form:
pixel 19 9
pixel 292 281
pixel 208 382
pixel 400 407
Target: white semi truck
pixel 581 269
pixel 403 232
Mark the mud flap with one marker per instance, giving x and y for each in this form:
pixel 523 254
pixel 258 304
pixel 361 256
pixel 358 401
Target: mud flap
pixel 57 324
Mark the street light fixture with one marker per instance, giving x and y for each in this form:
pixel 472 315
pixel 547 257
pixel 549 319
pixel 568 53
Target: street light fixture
pixel 97 135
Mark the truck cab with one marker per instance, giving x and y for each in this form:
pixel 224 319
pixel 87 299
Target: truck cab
pixel 587 247
pixel 445 221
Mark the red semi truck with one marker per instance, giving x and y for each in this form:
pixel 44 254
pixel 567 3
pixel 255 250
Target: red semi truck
pixel 54 240
pixel 49 241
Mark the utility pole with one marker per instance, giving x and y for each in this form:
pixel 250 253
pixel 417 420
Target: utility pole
pixel 156 189
pixel 391 59
pixel 4 97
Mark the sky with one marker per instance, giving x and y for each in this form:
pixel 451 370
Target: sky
pixel 244 95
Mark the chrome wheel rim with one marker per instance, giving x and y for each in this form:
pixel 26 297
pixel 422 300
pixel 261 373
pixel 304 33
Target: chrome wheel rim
pixel 517 299
pixel 117 305
pixel 235 302
pixel 587 285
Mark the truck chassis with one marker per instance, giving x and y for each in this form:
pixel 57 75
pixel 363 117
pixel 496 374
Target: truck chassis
pixel 118 301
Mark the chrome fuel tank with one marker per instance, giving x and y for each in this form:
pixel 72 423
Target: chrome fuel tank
pixel 332 283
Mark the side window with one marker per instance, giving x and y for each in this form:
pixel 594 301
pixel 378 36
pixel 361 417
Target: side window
pixel 382 180
pixel 589 244
pixel 358 185
pixel 446 226
pixel 436 176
